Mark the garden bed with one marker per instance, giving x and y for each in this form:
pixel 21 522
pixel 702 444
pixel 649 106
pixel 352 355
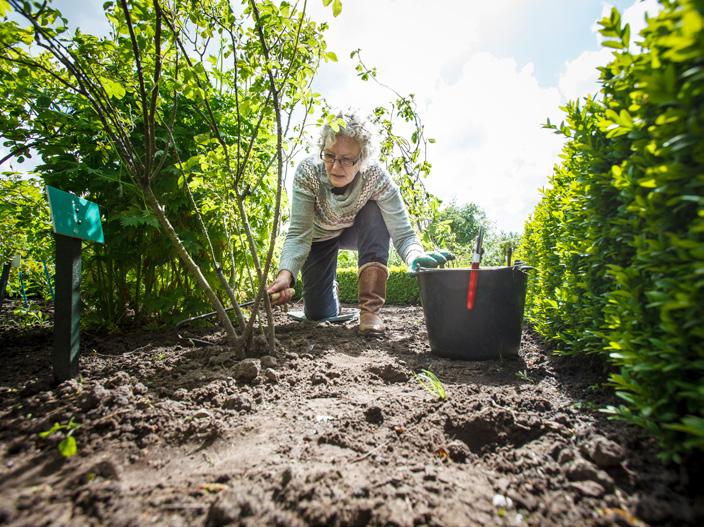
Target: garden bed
pixel 333 430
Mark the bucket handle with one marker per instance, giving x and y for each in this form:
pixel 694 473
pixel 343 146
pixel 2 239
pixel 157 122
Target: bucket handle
pixel 520 265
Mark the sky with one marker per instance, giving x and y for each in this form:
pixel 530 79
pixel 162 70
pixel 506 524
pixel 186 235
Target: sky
pixel 486 76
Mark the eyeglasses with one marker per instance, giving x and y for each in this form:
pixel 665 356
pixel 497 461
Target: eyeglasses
pixel 330 159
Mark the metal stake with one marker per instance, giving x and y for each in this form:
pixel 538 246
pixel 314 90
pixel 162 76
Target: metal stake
pixel 67 310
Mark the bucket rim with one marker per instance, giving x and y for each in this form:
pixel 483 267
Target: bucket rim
pixel 424 270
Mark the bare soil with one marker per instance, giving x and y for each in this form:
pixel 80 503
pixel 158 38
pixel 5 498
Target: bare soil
pixel 333 430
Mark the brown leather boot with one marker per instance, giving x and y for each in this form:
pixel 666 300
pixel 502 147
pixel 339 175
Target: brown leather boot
pixel 372 295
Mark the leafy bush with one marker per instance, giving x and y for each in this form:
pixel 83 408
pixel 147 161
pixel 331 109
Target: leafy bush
pixel 618 238
pixel 25 230
pixel 401 288
pixel 188 177
pixel 456 228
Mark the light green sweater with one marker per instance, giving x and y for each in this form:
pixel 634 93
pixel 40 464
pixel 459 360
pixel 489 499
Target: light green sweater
pixel 317 214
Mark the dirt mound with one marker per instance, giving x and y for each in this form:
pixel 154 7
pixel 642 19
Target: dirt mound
pixel 332 430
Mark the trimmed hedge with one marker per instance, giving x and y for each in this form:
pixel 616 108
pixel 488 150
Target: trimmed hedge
pixel 401 289
pixel 618 238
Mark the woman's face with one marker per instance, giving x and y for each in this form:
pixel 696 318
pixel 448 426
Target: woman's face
pixel 344 151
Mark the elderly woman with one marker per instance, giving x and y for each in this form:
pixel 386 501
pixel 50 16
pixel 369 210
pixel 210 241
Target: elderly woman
pixel 342 199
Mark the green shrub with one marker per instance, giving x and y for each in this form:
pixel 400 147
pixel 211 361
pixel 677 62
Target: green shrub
pixel 25 230
pixel 401 288
pixel 618 237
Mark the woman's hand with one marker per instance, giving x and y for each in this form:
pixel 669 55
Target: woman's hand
pixel 430 260
pixel 282 286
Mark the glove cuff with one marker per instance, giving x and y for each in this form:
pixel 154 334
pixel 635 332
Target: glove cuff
pixel 412 255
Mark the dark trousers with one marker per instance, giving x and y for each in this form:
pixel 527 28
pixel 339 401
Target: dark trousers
pixel 368 235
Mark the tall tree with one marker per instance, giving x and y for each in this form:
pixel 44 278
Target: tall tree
pixel 238 76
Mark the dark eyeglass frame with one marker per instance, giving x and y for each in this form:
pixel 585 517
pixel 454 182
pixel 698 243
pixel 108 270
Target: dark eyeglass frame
pixel 345 162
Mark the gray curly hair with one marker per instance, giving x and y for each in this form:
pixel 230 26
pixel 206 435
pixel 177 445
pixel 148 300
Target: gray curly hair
pixel 355 127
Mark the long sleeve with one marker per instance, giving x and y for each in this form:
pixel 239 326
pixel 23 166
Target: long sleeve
pixel 300 231
pixel 397 221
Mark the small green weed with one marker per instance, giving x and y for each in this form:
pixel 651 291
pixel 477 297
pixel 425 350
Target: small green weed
pixel 68 446
pixel 585 405
pixel 431 384
pixel 523 375
pixel 31 315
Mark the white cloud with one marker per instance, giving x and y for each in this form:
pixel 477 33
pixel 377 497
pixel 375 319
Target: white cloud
pixel 580 76
pixel 491 148
pixel 412 46
pixel 484 111
pixel 635 15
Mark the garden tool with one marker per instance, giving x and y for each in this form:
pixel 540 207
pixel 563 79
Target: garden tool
pixel 272 298
pixel 473 274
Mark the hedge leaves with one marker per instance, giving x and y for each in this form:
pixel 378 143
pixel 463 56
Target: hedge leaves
pixel 618 237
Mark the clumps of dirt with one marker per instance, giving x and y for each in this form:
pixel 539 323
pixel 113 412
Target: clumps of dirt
pixel 374 415
pixel 491 428
pixel 331 429
pixel 389 373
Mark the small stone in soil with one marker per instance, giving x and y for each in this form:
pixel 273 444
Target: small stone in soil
pixel 92 397
pixel 242 402
pixel 271 375
pixel 202 414
pixel 247 370
pixel 588 489
pixel 318 378
pixel 390 373
pixel 120 378
pixel 582 470
pixel 268 361
pixel 180 394
pixel 566 455
pixel 603 452
pixel 458 450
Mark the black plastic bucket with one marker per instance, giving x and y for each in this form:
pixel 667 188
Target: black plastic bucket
pixel 492 329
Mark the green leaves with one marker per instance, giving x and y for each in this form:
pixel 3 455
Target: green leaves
pixel 336 6
pixel 618 235
pixel 67 447
pixel 112 88
pixel 221 67
pixel 431 384
pixel 134 217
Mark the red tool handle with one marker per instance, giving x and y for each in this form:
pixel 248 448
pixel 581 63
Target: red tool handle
pixel 474 272
pixel 472 289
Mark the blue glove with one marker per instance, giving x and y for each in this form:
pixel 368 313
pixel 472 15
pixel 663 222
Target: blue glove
pixel 430 259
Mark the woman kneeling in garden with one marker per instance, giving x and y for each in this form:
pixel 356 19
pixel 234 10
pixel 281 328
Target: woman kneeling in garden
pixel 343 199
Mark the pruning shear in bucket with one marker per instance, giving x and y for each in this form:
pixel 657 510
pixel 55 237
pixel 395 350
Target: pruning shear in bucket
pixel 473 274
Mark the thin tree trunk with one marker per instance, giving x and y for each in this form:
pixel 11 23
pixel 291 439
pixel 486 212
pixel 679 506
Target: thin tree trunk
pixel 190 264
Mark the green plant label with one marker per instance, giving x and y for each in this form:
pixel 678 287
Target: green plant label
pixel 75 217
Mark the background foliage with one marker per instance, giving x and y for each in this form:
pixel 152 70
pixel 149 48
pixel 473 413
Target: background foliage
pixel 222 78
pixel 618 237
pixel 25 230
pixel 402 288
